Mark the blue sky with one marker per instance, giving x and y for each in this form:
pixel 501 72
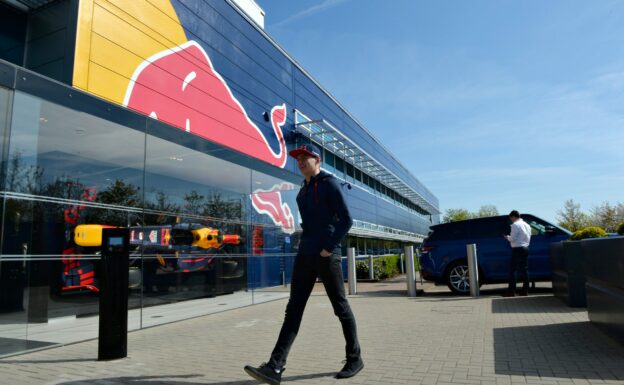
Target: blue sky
pixel 519 104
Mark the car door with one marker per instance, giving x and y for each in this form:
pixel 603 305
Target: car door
pixel 493 250
pixel 539 250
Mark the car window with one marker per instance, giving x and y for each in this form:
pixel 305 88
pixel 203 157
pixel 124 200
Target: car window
pixel 491 228
pixel 474 229
pixel 457 231
pixel 446 232
pixel 536 228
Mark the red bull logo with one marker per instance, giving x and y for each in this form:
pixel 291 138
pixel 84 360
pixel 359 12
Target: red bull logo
pixel 270 203
pixel 181 87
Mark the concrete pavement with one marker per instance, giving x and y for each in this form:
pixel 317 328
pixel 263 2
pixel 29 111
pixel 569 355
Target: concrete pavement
pixel 435 339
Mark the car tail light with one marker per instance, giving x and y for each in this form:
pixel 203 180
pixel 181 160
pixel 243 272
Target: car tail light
pixel 426 249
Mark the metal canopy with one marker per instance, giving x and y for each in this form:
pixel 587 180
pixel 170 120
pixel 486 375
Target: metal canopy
pixel 332 140
pixel 365 229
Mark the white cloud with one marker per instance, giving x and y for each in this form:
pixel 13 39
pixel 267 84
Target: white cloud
pixel 326 4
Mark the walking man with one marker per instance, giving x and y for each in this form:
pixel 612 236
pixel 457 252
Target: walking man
pixel 520 238
pixel 325 221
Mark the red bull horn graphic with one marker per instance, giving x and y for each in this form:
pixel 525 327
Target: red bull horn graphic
pixel 181 87
pixel 270 203
pixel 157 70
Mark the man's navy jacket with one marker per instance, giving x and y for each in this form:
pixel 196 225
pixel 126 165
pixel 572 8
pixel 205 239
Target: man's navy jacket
pixel 324 215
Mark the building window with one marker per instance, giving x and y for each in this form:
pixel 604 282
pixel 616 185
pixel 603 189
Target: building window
pixel 350 171
pixel 339 165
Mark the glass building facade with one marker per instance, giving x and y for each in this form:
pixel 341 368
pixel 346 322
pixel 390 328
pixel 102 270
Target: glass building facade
pixel 77 157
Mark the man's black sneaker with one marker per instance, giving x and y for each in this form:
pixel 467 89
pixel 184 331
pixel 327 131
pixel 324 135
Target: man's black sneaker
pixel 351 368
pixel 265 373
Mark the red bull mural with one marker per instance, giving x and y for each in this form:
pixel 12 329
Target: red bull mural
pixel 162 72
pixel 181 87
pixel 270 202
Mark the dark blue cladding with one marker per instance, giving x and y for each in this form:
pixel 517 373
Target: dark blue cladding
pixel 262 76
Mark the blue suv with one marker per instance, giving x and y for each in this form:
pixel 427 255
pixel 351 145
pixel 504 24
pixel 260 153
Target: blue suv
pixel 443 252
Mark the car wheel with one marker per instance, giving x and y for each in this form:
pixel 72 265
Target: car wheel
pixel 457 278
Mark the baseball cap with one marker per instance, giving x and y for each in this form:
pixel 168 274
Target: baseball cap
pixel 308 149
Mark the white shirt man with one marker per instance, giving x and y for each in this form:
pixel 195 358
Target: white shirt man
pixel 520 234
pixel 520 238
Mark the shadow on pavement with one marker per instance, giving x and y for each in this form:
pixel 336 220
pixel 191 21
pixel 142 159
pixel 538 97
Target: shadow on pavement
pixel 14 345
pixel 575 350
pixel 383 293
pixel 172 380
pixel 140 380
pixel 441 292
pixel 47 361
pixel 540 304
pixel 284 379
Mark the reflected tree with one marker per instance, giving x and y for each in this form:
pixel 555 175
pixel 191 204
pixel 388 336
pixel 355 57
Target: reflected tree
pixel 214 206
pixel 121 193
pixel 162 203
pixel 25 179
pixel 217 206
pixel 194 203
pixel 118 193
pixel 22 178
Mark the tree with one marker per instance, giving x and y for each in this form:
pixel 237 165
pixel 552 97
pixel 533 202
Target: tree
pixel 194 202
pixel 487 211
pixel 620 212
pixel 605 216
pixel 22 177
pixel 162 203
pixel 118 193
pixel 121 193
pixel 217 207
pixel 571 217
pixel 454 215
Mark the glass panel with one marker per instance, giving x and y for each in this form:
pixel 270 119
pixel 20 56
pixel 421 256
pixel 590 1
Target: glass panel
pixel 275 224
pixel 68 173
pixel 350 171
pixel 13 271
pixel 340 164
pixel 328 161
pixel 194 238
pixel 358 174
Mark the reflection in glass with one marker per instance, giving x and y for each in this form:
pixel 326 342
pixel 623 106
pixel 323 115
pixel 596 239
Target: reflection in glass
pixel 205 233
pixel 65 170
pixel 194 235
pixel 275 232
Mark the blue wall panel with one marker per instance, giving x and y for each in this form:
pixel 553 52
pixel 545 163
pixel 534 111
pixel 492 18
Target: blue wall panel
pixel 262 76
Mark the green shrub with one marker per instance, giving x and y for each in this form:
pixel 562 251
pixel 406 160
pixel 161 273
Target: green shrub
pixel 588 232
pixel 361 269
pixel 383 267
pixel 620 228
pixel 389 266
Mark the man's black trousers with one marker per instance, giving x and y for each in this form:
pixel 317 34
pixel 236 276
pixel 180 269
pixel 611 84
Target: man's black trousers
pixel 305 272
pixel 519 264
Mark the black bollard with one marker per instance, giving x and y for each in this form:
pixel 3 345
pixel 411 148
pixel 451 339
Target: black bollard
pixel 113 332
